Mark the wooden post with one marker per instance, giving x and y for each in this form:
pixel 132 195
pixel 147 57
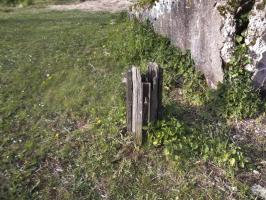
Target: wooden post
pixel 160 93
pixel 146 103
pixel 144 99
pixel 153 74
pixel 129 94
pixel 137 105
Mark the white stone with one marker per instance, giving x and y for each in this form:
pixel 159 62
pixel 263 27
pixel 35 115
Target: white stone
pixel 228 31
pixel 259 191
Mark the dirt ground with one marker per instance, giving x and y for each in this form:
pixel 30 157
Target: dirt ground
pixel 96 5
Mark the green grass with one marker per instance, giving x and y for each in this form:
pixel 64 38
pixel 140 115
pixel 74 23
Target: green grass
pixel 62 114
pixel 56 77
pixel 32 3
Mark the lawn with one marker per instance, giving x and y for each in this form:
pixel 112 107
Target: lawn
pixel 11 4
pixel 56 78
pixel 62 116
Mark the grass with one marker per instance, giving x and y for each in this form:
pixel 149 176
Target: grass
pixel 62 114
pixel 9 5
pixel 56 78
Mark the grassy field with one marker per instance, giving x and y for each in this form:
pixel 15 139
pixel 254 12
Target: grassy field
pixel 62 116
pixel 12 4
pixel 56 79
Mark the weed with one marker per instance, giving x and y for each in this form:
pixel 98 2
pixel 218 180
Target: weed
pixel 143 3
pixel 236 97
pixel 143 45
pixel 183 143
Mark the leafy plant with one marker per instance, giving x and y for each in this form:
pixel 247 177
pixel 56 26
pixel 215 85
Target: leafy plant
pixel 236 97
pixel 143 3
pixel 183 144
pixel 143 45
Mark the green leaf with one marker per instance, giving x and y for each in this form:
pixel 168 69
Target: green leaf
pixel 232 162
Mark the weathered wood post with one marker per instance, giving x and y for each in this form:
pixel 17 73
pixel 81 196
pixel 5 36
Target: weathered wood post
pixel 146 103
pixel 137 105
pixel 129 94
pixel 154 78
pixel 144 99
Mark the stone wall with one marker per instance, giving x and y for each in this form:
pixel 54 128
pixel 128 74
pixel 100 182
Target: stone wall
pixel 199 26
pixel 256 41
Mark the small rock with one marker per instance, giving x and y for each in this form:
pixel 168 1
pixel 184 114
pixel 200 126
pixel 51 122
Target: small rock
pixel 256 172
pixel 259 191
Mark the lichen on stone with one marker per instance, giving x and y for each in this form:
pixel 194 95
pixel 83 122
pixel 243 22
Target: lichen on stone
pixel 230 6
pixel 261 6
pixel 256 42
pixel 228 31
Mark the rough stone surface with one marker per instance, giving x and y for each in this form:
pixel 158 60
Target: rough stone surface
pixel 259 191
pixel 256 41
pixel 196 25
pixel 228 31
